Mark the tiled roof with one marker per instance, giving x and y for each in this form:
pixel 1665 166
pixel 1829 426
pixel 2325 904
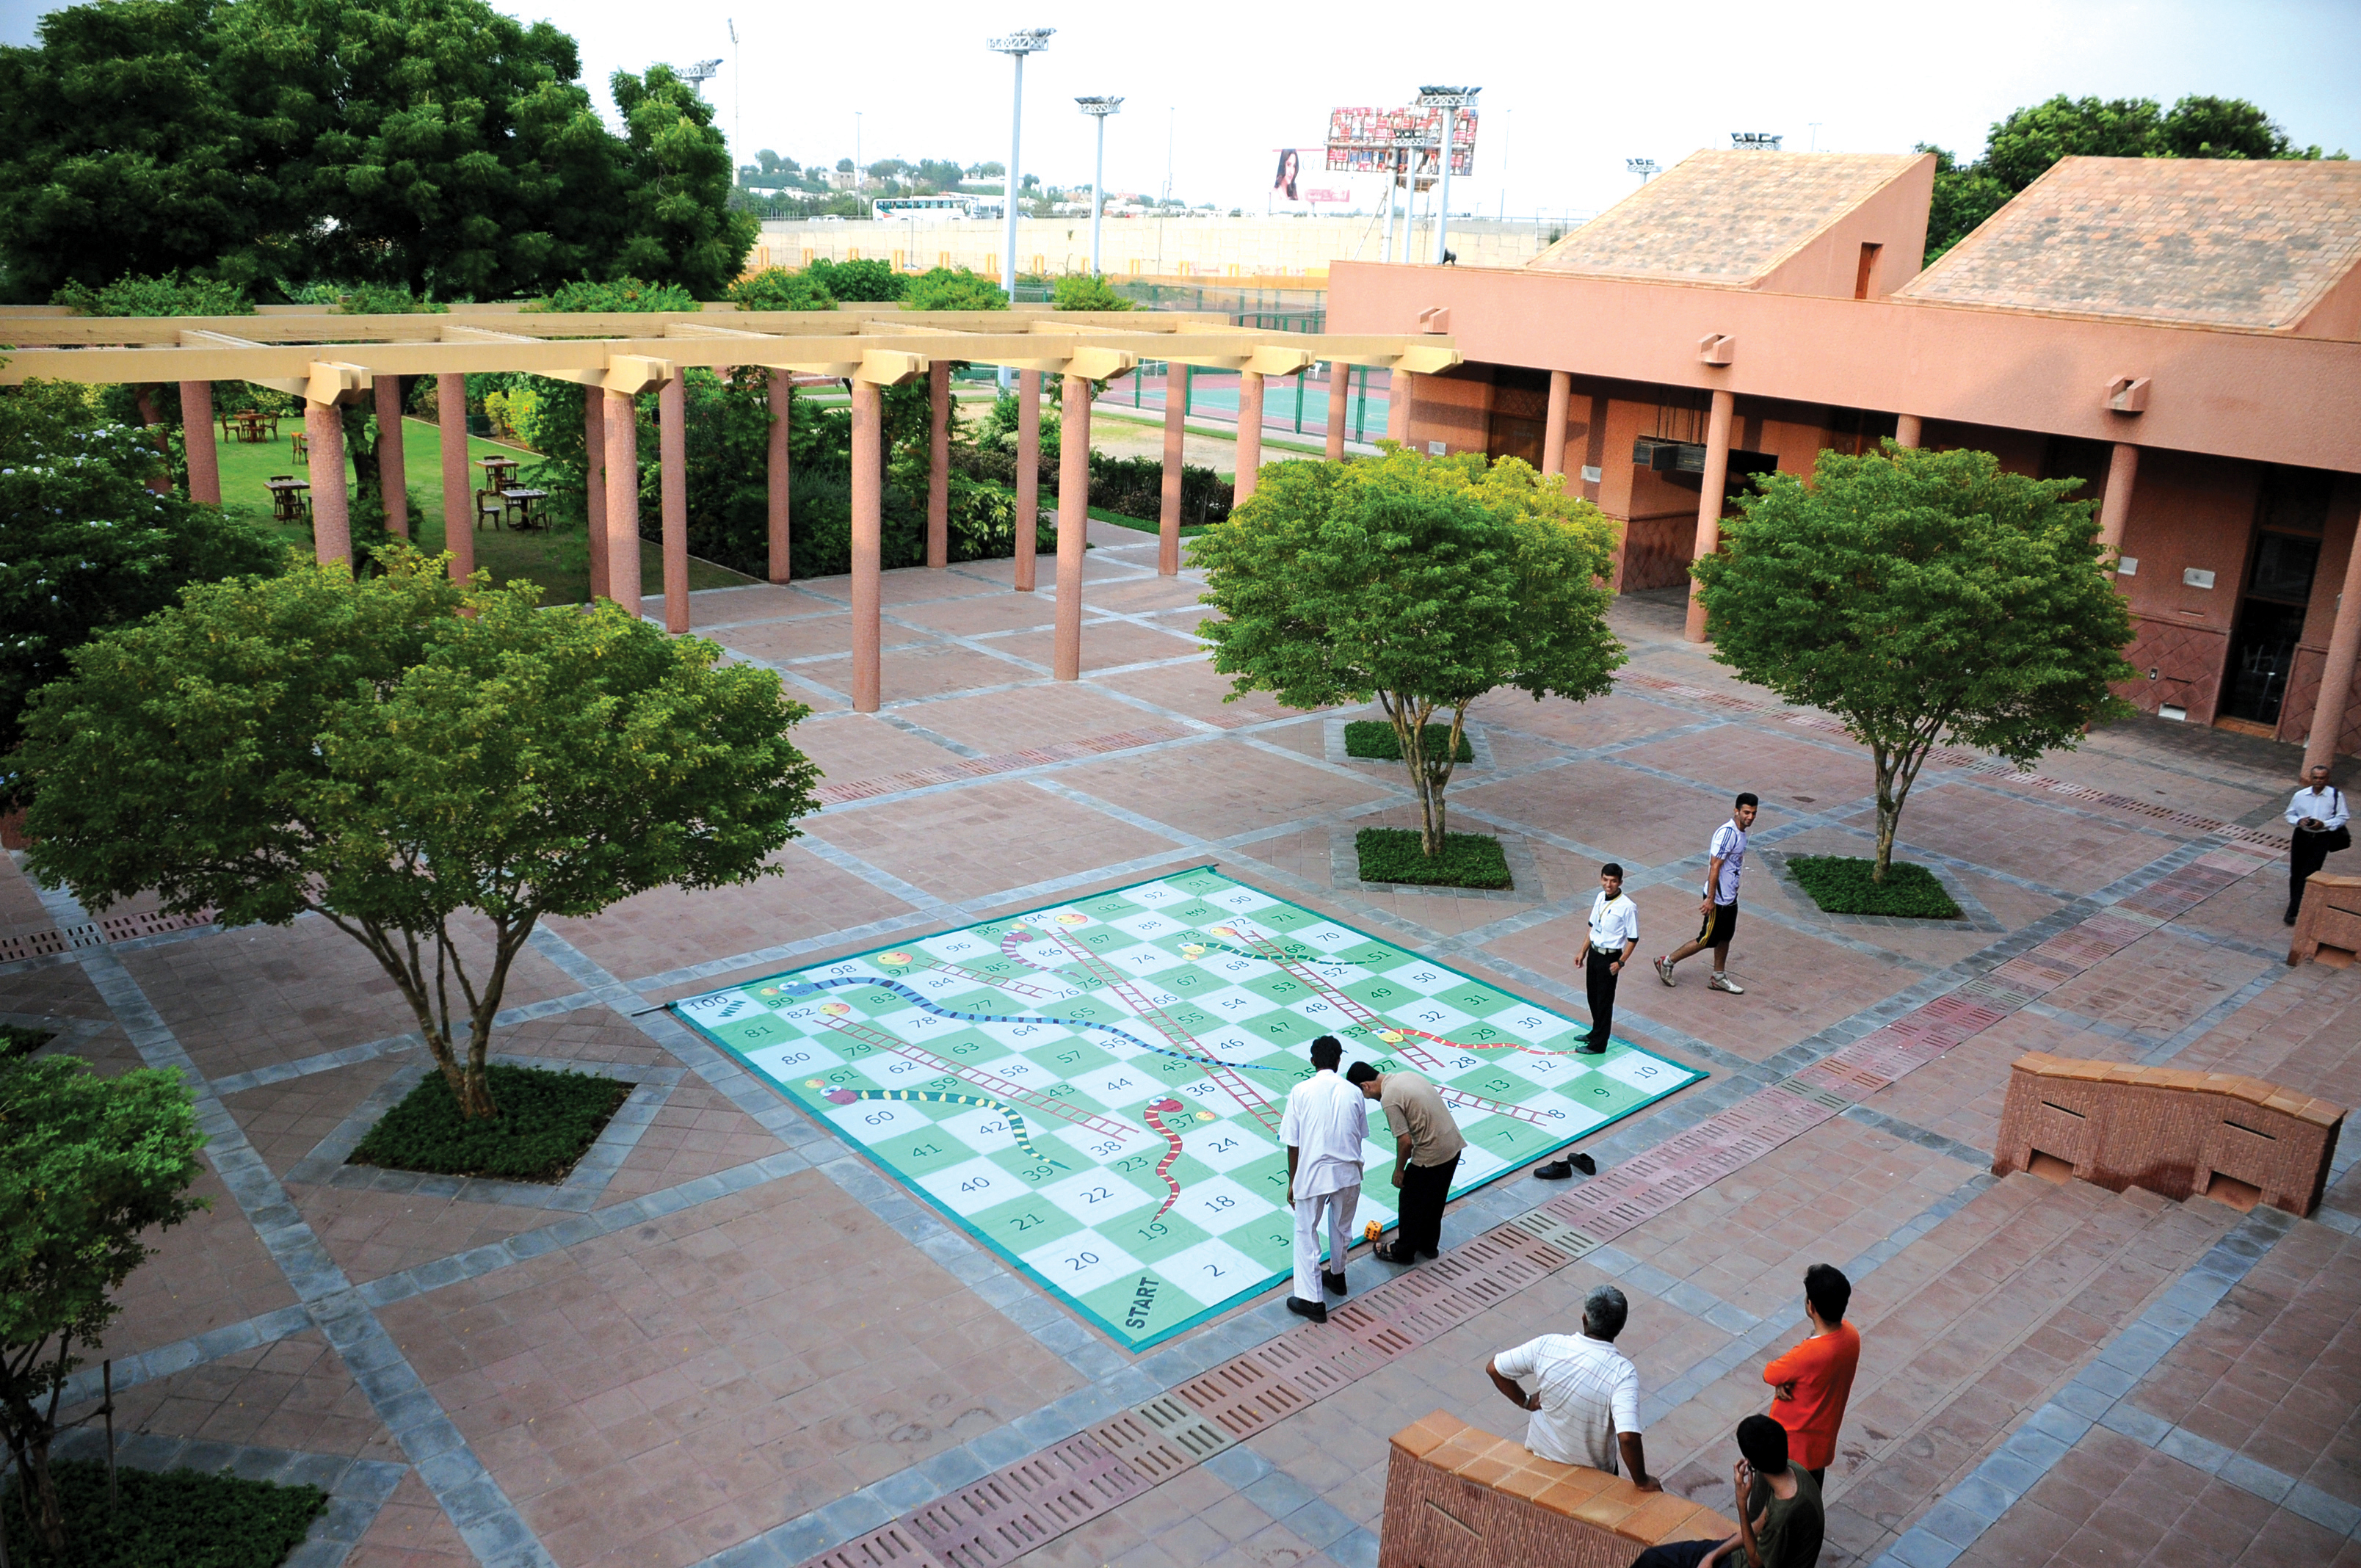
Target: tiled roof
pixel 2219 242
pixel 1723 217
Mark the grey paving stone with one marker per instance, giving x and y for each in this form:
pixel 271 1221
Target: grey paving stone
pixel 2247 1475
pixel 1277 1493
pixel 2140 1426
pixel 1240 1467
pixel 1922 1549
pixel 1358 1548
pixel 2322 1508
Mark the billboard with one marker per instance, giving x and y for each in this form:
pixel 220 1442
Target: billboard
pixel 1375 141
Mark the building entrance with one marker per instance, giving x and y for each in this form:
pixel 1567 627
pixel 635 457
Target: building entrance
pixel 2271 610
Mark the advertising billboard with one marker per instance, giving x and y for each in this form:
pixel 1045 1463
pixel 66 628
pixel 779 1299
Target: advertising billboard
pixel 1375 141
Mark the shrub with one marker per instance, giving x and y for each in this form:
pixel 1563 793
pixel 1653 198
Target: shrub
pixel 1374 739
pixel 1468 860
pixel 190 1519
pixel 1087 291
pixel 954 288
pixel 547 1122
pixel 1844 884
pixel 622 294
pixel 171 295
pixel 873 282
pixel 777 288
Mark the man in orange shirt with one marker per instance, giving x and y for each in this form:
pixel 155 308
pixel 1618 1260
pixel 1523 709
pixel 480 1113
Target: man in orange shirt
pixel 1815 1380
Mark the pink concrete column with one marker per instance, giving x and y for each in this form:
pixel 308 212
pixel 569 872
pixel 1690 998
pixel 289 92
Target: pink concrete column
pixel 1168 512
pixel 2116 505
pixel 1709 500
pixel 459 502
pixel 2336 676
pixel 1340 407
pixel 393 480
pixel 782 406
pixel 939 463
pixel 1907 430
pixel 1249 435
pixel 868 533
pixel 1073 524
pixel 672 450
pixel 1028 473
pixel 594 484
pixel 1398 395
pixel 1561 400
pixel 623 501
pixel 197 438
pixel 323 437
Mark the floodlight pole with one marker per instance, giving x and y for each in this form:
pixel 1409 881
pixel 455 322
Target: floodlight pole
pixel 1098 109
pixel 1449 100
pixel 1016 46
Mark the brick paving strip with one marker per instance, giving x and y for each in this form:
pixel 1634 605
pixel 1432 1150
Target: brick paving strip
pixel 1022 1505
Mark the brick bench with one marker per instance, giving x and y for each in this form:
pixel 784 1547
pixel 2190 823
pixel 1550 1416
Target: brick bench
pixel 1457 1497
pixel 2331 919
pixel 2173 1131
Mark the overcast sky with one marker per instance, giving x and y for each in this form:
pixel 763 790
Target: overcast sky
pixel 1570 91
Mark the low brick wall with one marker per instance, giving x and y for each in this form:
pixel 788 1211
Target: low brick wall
pixel 2168 1130
pixel 2331 918
pixel 1460 1498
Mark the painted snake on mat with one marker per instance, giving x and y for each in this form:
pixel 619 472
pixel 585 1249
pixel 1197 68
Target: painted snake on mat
pixel 1155 1115
pixel 934 1097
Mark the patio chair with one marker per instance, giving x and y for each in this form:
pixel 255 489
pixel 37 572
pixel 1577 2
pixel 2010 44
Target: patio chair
pixel 286 502
pixel 491 504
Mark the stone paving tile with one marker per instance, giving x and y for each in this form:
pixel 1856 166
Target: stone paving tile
pixel 1217 788
pixel 765 601
pixel 411 1531
pixel 286 1121
pixel 982 614
pixel 1106 645
pixel 774 1349
pixel 1959 1094
pixel 850 747
pixel 1002 722
pixel 207 1272
pixel 293 1394
pixel 374 1234
pixel 1609 720
pixel 2054 848
pixel 1195 691
pixel 1640 820
pixel 695 1133
pixel 53 990
pixel 2160 984
pixel 1793 775
pixel 924 669
pixel 2166 779
pixel 664 929
pixel 819 637
pixel 986 837
pixel 2274 1372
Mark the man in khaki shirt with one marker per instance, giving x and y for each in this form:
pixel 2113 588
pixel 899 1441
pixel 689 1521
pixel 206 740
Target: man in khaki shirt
pixel 1426 1155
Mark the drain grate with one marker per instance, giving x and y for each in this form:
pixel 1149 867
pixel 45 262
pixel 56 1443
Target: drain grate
pixel 893 1547
pixel 1145 1446
pixel 1023 1506
pixel 1244 1396
pixel 1549 1231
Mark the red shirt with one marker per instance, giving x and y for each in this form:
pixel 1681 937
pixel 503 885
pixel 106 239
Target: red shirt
pixel 1821 1368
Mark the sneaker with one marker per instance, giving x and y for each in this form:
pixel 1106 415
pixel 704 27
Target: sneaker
pixel 1665 970
pixel 1723 983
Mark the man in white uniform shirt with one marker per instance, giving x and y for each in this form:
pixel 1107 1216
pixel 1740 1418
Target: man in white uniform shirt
pixel 2317 816
pixel 1614 932
pixel 1725 863
pixel 1326 1122
pixel 1584 1396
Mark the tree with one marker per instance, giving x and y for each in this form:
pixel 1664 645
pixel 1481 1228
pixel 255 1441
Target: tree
pixel 1962 199
pixel 429 766
pixel 1426 581
pixel 678 187
pixel 954 288
pixel 86 543
pixel 1923 597
pixel 1086 292
pixel 869 282
pixel 2022 146
pixel 89 1166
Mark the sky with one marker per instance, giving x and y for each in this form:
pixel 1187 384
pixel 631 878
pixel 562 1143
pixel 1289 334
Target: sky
pixel 1569 93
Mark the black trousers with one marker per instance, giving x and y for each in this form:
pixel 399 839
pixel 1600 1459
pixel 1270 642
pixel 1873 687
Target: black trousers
pixel 1598 981
pixel 2307 852
pixel 1423 1189
pixel 1682 1554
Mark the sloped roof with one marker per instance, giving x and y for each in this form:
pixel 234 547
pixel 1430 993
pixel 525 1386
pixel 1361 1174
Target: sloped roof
pixel 1723 217
pixel 2207 241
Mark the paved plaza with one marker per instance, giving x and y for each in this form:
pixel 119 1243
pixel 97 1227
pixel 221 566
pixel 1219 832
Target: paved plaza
pixel 728 1338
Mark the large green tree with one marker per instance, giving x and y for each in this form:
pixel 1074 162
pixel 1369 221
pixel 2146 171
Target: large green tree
pixel 1923 597
pixel 681 229
pixel 89 1167
pixel 1424 582
pixel 431 767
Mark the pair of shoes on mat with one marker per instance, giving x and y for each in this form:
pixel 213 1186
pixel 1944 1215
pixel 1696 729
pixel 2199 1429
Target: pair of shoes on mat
pixel 1559 1170
pixel 1335 1282
pixel 1395 1252
pixel 1316 1311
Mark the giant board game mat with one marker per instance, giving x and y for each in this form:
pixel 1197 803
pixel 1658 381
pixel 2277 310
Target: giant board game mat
pixel 1094 1090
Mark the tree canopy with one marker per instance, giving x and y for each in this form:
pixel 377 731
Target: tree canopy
pixel 1086 292
pixel 430 766
pixel 1923 597
pixel 436 145
pixel 954 288
pixel 1424 582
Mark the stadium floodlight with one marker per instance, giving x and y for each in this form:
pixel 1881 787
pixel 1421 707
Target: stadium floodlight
pixel 1098 109
pixel 1643 167
pixel 1449 100
pixel 1015 46
pixel 1755 141
pixel 697 75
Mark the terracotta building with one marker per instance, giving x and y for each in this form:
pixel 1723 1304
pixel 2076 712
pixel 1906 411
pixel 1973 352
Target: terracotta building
pixel 2185 335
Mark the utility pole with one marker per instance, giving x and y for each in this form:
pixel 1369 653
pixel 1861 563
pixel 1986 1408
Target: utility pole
pixel 737 98
pixel 1098 109
pixel 1449 100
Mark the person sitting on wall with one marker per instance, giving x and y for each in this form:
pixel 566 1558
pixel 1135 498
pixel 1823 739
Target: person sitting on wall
pixel 1780 1524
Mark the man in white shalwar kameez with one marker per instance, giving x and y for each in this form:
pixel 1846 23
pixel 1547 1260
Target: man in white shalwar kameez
pixel 1327 1122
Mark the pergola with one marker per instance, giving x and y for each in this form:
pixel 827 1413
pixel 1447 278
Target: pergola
pixel 331 360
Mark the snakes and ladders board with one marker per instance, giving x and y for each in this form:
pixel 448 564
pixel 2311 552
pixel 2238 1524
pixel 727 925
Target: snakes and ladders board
pixel 1094 1090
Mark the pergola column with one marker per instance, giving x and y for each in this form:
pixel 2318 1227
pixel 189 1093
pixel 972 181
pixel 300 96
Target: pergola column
pixel 782 406
pixel 1710 498
pixel 1340 407
pixel 2116 505
pixel 1074 523
pixel 1249 435
pixel 324 438
pixel 672 447
pixel 939 463
pixel 594 486
pixel 1907 430
pixel 1168 511
pixel 458 503
pixel 197 439
pixel 1561 400
pixel 1399 395
pixel 392 479
pixel 868 532
pixel 2336 676
pixel 1028 473
pixel 623 501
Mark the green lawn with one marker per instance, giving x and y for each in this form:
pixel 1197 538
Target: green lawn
pixel 559 563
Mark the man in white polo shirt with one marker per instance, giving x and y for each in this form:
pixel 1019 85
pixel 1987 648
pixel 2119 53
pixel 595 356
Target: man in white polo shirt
pixel 1584 1396
pixel 1325 1123
pixel 1725 863
pixel 1614 932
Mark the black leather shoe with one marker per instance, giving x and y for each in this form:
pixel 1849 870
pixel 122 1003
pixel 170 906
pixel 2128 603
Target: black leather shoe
pixel 1335 1282
pixel 2288 920
pixel 1587 1049
pixel 1583 1163
pixel 1393 1252
pixel 1316 1311
pixel 1428 1252
pixel 1556 1171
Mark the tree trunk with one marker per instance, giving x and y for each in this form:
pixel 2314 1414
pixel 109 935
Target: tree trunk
pixel 429 995
pixel 28 1441
pixel 1428 776
pixel 1897 770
